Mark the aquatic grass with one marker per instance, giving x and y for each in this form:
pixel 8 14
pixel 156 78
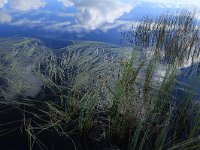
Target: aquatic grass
pixel 171 117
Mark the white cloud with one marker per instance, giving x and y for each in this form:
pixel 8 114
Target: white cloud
pixel 173 3
pixel 118 23
pixel 2 3
pixel 66 26
pixel 78 28
pixel 66 3
pixel 25 5
pixel 190 5
pixel 5 18
pixel 92 14
pixel 27 22
pixel 58 26
pixel 61 14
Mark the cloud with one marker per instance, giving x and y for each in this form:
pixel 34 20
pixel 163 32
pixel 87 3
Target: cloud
pixel 190 5
pixel 198 16
pixel 92 14
pixel 118 23
pixel 173 3
pixel 68 26
pixel 61 14
pixel 27 22
pixel 58 26
pixel 2 3
pixel 66 3
pixel 5 18
pixel 25 5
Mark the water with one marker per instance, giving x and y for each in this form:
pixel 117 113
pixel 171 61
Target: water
pixel 57 24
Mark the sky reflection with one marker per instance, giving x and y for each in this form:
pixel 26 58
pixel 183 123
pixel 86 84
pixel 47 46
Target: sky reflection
pixel 66 20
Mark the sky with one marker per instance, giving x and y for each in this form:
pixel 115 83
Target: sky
pixel 65 20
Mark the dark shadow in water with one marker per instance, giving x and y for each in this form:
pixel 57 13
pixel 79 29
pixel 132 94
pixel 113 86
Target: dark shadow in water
pixel 12 121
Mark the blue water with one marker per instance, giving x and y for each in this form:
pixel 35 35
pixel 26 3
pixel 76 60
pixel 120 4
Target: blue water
pixel 57 25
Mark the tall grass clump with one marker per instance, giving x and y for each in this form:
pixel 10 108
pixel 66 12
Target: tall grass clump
pixel 173 40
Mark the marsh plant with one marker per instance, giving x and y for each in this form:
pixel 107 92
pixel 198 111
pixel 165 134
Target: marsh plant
pixel 109 99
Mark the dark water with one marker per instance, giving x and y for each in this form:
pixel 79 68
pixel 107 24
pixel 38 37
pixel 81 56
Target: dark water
pixel 17 139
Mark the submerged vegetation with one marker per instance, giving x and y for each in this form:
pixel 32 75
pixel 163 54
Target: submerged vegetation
pixel 95 96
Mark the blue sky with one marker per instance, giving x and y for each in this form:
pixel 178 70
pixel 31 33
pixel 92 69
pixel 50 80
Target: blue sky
pixel 81 18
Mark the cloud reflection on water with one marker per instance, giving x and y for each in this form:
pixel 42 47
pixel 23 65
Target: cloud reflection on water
pixel 81 16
